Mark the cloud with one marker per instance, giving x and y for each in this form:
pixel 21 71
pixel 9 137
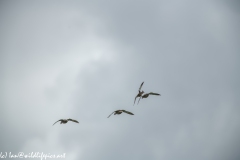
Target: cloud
pixel 85 59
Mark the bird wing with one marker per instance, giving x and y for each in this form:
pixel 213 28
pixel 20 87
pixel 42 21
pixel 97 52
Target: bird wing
pixel 73 120
pixel 135 100
pixel 140 87
pixel 139 99
pixel 127 112
pixel 151 93
pixel 110 114
pixel 57 121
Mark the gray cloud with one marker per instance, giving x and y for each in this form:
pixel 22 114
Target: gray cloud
pixel 85 59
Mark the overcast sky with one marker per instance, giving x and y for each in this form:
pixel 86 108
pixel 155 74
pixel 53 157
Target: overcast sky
pixel 85 59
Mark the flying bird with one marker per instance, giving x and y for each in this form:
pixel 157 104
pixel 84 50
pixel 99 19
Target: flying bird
pixel 120 112
pixel 139 93
pixel 64 121
pixel 147 94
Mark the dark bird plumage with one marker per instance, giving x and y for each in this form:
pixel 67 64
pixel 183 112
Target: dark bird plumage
pixel 64 121
pixel 139 93
pixel 120 112
pixel 147 94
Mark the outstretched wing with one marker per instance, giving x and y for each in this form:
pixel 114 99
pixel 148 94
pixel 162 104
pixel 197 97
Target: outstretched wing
pixel 135 100
pixel 139 99
pixel 151 93
pixel 140 87
pixel 110 114
pixel 128 112
pixel 73 120
pixel 57 121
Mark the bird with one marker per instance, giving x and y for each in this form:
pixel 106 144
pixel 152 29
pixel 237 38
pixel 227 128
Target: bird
pixel 140 93
pixel 147 94
pixel 64 121
pixel 120 112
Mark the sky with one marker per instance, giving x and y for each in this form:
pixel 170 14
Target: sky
pixel 85 59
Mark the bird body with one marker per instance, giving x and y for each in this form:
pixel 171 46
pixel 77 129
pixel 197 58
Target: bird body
pixel 64 121
pixel 147 94
pixel 120 112
pixel 151 93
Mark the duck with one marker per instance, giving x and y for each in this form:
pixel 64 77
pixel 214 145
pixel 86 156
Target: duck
pixel 120 112
pixel 64 121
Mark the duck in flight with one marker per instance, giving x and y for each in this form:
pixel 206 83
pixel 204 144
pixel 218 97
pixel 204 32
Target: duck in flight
pixel 64 121
pixel 147 94
pixel 120 112
pixel 140 93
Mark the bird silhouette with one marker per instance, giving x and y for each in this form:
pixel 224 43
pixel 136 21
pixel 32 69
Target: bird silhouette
pixel 64 121
pixel 120 112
